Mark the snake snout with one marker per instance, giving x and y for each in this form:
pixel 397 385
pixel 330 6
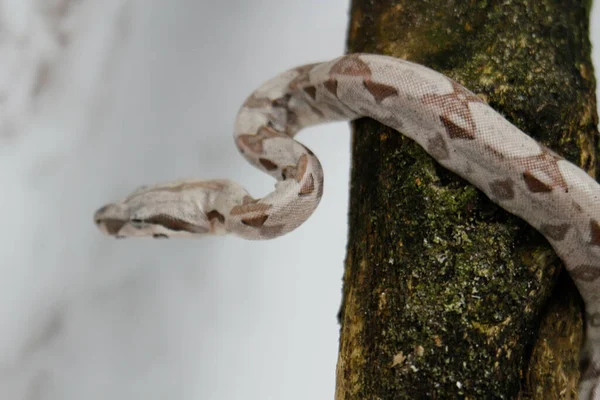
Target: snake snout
pixel 110 219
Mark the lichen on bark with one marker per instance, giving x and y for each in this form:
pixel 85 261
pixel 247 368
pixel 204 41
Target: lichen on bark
pixel 445 294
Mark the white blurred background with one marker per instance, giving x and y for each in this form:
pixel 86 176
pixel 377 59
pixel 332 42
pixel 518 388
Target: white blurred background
pixel 99 97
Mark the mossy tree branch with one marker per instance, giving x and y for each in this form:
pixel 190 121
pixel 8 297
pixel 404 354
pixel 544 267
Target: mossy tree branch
pixel 445 294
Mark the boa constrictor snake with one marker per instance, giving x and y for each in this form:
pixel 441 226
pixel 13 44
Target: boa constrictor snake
pixel 457 128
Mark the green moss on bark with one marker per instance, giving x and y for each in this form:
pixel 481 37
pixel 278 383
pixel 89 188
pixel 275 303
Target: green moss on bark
pixel 444 291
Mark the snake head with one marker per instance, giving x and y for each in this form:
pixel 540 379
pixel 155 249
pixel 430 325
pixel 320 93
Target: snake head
pixel 160 211
pixel 116 220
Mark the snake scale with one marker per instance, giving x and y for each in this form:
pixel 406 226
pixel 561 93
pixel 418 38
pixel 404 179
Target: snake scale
pixel 457 128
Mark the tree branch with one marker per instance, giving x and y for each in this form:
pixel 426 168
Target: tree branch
pixel 446 294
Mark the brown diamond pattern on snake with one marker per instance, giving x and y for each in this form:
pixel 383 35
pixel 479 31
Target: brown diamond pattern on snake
pixel 214 214
pixel 545 162
pixel 586 273
pixel 255 142
pixel 248 200
pixel 351 65
pixel 249 208
pixel 436 146
pixel 555 232
pixel 303 78
pixel 455 104
pixel 534 184
pixel 255 222
pixel 307 187
pixel 380 91
pixel 331 85
pixel 268 164
pixel 503 189
pixel 311 91
pixel 456 131
pixel 175 224
pixel 594 232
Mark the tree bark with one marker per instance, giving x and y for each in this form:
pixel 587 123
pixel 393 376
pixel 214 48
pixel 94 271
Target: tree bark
pixel 446 295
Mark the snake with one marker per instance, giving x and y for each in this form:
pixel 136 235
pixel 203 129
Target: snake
pixel 455 126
